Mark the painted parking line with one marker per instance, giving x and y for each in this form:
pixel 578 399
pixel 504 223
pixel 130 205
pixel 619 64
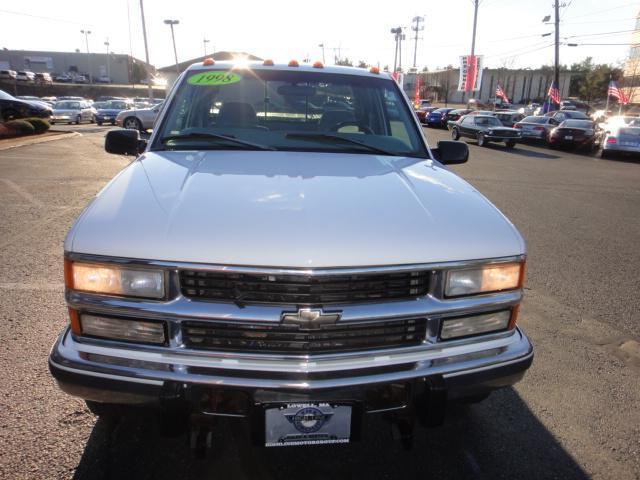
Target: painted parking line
pixel 33 201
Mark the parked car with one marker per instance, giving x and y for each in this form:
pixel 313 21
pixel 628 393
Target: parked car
pixel 423 103
pixel 422 113
pixel 8 75
pixel 574 134
pixel 103 79
pixel 455 115
pixel 191 291
pixel 490 113
pixel 63 78
pixel 485 129
pixel 562 115
pixel 43 78
pixel 621 138
pixel 12 108
pixel 141 119
pixel 80 79
pixel 28 77
pixel 30 98
pixel 108 111
pixel 72 111
pixel 509 118
pixel 529 109
pixel 536 127
pixel 437 118
pixel 49 100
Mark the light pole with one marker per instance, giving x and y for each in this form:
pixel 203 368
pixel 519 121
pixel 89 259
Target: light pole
pixel 204 42
pixel 86 34
pixel 108 62
pixel 146 51
pixel 322 47
pixel 171 23
pixel 417 28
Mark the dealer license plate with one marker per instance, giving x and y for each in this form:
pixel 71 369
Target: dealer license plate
pixel 307 424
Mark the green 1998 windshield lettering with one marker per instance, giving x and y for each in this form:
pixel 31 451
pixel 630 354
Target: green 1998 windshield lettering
pixel 214 78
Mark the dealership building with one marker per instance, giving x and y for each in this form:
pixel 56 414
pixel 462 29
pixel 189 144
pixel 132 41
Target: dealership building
pixel 520 85
pixel 121 69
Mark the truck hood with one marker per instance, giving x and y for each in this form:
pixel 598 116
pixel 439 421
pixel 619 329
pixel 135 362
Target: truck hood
pixel 291 209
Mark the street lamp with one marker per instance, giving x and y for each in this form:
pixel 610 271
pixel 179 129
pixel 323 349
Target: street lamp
pixel 86 34
pixel 171 23
pixel 322 47
pixel 108 62
pixel 204 42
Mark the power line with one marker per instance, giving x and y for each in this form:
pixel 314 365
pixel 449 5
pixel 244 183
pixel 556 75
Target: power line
pixel 11 12
pixel 600 33
pixel 605 10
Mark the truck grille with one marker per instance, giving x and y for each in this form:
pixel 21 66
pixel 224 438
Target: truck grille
pixel 295 340
pixel 300 289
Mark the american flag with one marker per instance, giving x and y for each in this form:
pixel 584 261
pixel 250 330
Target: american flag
pixel 554 93
pixel 615 92
pixel 500 94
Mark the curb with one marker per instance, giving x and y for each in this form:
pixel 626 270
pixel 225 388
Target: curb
pixel 34 141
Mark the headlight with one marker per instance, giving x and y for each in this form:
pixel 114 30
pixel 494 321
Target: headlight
pixel 114 280
pixel 476 324
pixel 484 279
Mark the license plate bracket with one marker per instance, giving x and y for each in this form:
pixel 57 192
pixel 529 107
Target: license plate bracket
pixel 307 423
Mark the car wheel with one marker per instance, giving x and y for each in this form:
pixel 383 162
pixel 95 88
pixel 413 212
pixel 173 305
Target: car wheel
pixel 455 134
pixel 99 124
pixel 78 119
pixel 132 123
pixel 113 123
pixel 481 140
pixel 604 154
pixel 9 115
pixel 510 144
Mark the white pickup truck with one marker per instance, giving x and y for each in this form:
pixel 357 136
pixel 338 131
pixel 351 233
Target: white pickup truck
pixel 287 250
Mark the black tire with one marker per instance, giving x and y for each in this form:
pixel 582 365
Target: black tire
pixel 99 124
pixel 482 142
pixel 113 123
pixel 132 123
pixel 510 143
pixel 9 115
pixel 604 154
pixel 455 134
pixel 78 120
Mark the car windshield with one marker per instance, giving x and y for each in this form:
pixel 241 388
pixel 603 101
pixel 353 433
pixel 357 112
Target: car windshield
pixel 575 114
pixel 290 110
pixel 577 124
pixel 5 96
pixel 115 105
pixel 535 120
pixel 68 105
pixel 488 121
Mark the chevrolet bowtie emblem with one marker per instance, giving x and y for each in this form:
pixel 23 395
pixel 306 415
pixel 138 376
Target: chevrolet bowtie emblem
pixel 310 318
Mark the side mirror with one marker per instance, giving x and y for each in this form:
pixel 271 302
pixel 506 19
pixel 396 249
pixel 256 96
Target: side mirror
pixel 451 152
pixel 124 142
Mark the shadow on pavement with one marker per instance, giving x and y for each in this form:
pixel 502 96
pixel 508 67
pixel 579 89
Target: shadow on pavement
pixel 499 438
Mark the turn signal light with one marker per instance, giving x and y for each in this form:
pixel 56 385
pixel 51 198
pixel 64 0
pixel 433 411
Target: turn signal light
pixel 318 65
pixel 208 61
pixel 294 63
pixel 268 63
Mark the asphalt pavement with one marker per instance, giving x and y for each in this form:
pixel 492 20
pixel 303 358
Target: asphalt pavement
pixel 575 415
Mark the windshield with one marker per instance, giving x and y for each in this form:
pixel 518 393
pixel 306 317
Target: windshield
pixel 577 124
pixel 115 105
pixel 488 122
pixel 68 105
pixel 290 110
pixel 535 120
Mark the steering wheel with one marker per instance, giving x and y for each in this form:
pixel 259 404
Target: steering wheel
pixel 361 128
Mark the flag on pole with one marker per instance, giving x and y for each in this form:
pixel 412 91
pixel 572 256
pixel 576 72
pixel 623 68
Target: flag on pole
pixel 554 93
pixel 416 96
pixel 615 92
pixel 501 94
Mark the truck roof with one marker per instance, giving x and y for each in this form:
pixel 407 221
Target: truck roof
pixel 305 67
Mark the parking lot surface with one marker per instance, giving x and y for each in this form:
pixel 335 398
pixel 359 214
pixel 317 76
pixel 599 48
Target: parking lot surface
pixel 575 415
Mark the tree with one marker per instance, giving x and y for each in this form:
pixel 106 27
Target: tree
pixel 345 62
pixel 590 81
pixel 362 64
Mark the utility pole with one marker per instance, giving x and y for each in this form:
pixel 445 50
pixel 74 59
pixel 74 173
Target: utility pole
pixel 417 28
pixel 322 47
pixel 146 51
pixel 398 37
pixel 204 42
pixel 557 62
pixel 86 34
pixel 108 62
pixel 476 3
pixel 171 23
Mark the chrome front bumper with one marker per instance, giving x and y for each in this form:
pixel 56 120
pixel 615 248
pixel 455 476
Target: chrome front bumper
pixel 129 375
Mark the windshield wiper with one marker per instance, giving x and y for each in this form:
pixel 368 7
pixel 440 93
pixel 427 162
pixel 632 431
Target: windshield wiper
pixel 337 138
pixel 215 136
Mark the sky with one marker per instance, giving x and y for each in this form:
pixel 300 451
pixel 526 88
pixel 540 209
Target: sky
pixel 509 32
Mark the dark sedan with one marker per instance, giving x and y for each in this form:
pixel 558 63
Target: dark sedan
pixel 108 112
pixel 485 129
pixel 437 118
pixel 574 134
pixel 455 115
pixel 12 108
